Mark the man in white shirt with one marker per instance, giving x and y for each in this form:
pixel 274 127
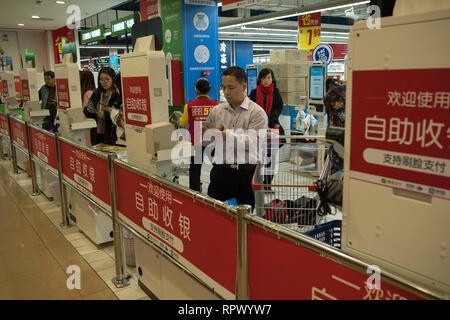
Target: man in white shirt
pixel 241 125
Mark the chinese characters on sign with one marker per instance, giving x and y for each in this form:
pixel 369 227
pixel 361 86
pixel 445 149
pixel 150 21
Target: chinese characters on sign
pixel 19 135
pixel 224 55
pixel 370 294
pixel 309 31
pixel 402 128
pixel 137 101
pixel 62 91
pixel 157 197
pixel 4 127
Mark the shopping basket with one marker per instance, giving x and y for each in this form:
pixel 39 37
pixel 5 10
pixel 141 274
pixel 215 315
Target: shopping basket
pixel 328 232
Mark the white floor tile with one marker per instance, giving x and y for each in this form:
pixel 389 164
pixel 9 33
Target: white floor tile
pixel 96 256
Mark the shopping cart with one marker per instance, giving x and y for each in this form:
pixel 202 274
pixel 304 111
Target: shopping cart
pixel 286 193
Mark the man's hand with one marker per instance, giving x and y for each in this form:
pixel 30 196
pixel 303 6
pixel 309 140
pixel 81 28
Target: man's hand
pixel 101 114
pixel 223 129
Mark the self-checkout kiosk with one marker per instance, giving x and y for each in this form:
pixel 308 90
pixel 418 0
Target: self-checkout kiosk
pixel 31 82
pixel 149 147
pixel 9 92
pixel 33 111
pixel 397 181
pixel 145 101
pixel 74 126
pixel 73 123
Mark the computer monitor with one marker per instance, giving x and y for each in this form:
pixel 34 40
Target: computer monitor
pixel 317 78
pixel 252 77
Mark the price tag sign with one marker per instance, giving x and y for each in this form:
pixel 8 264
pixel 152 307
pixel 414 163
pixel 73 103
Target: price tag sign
pixel 309 31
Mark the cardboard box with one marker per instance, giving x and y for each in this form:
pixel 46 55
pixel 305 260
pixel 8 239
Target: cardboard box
pixel 293 98
pixel 288 70
pixel 288 56
pixel 291 84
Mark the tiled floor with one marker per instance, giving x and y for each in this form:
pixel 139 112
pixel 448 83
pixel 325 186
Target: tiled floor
pixel 35 251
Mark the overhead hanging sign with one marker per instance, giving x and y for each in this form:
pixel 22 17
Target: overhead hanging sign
pixel 118 26
pixel 233 4
pixel 309 30
pixel 93 34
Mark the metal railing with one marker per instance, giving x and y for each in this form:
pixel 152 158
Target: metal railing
pixel 242 213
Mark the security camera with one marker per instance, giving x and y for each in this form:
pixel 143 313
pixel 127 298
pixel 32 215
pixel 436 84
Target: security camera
pixel 350 13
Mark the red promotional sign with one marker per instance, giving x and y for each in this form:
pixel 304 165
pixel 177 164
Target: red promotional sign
pixel 5 92
pixel 18 88
pixel 19 134
pixel 149 8
pixel 200 237
pixel 295 273
pixel 136 98
pixel 61 36
pixel 25 90
pixel 309 20
pixel 43 147
pixel 85 170
pixel 401 129
pixel 62 91
pixel 4 127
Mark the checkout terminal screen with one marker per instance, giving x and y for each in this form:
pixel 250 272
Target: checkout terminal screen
pixel 316 83
pixel 252 76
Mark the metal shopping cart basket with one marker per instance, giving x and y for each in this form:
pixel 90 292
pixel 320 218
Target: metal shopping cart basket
pixel 286 193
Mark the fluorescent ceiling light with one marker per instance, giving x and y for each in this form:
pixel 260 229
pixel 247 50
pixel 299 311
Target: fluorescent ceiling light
pixel 267 29
pixel 295 14
pixel 219 4
pixel 60 2
pixel 257 33
pixel 20 24
pixel 107 33
pixel 35 17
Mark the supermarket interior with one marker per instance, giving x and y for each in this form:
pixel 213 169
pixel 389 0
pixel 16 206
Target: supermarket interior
pixel 224 150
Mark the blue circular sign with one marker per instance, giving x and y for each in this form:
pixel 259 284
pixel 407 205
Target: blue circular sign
pixel 324 53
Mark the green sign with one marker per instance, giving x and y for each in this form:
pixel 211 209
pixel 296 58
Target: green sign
pixel 93 34
pixel 172 20
pixel 2 108
pixel 118 26
pixel 21 115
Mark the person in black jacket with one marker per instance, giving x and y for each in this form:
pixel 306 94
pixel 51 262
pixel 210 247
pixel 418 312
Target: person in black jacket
pixel 268 97
pixel 103 100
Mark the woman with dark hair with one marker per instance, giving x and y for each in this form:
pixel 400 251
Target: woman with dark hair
pixel 87 86
pixel 195 112
pixel 104 99
pixel 268 97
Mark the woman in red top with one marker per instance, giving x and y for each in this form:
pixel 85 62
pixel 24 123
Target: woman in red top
pixel 195 112
pixel 268 97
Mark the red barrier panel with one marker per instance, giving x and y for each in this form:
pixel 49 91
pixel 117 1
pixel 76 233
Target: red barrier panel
pixel 280 270
pixel 88 171
pixel 4 127
pixel 200 237
pixel 19 134
pixel 43 147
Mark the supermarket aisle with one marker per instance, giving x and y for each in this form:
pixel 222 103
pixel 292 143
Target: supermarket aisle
pixel 34 254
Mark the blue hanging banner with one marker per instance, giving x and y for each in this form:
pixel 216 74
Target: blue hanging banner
pixel 200 49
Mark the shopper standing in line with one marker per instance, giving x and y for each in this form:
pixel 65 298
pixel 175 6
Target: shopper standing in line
pixel 103 100
pixel 47 94
pixel 268 97
pixel 87 85
pixel 231 175
pixel 195 112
